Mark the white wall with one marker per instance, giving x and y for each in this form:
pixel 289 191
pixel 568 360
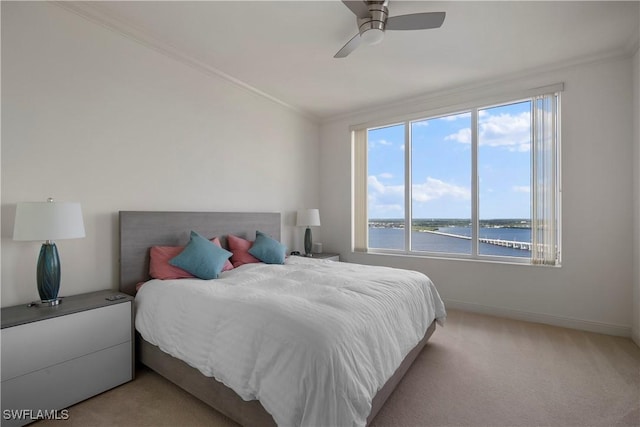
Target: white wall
pixel 89 115
pixel 636 192
pixel 593 288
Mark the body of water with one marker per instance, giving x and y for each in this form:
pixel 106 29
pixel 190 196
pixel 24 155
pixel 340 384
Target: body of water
pixel 393 238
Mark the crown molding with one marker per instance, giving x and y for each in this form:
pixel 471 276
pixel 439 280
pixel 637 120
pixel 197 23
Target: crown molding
pixel 91 13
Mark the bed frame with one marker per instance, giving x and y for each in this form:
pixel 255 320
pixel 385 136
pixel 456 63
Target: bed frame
pixel 139 230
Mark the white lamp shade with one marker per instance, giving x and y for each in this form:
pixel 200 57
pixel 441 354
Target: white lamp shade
pixel 48 221
pixel 308 218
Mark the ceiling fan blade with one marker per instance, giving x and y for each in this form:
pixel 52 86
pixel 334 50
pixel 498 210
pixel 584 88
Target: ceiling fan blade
pixel 416 21
pixel 358 7
pixel 349 47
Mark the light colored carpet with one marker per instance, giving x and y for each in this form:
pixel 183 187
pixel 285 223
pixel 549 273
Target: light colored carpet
pixel 476 371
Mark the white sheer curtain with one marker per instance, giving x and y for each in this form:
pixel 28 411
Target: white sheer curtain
pixel 545 227
pixel 360 216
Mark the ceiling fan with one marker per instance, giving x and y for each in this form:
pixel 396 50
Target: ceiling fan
pixel 373 20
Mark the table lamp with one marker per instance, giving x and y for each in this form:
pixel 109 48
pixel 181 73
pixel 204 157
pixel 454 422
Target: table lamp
pixel 308 218
pixel 48 221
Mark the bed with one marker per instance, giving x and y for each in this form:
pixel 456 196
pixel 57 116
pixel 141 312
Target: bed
pixel 251 404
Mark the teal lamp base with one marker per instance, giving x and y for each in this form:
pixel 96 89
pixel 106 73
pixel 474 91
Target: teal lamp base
pixel 307 242
pixel 48 274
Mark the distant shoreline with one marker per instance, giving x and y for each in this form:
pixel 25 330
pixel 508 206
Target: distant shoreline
pixel 507 241
pixel 438 223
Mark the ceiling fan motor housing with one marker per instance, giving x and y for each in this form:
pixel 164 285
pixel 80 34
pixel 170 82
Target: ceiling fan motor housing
pixel 372 27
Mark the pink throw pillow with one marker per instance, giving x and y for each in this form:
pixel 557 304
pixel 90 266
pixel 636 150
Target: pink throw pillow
pixel 227 263
pixel 240 249
pixel 159 267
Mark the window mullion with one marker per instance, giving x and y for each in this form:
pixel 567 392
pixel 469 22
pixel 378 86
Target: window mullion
pixel 407 187
pixel 475 223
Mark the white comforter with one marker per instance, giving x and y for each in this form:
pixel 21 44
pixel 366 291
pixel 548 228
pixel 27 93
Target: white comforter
pixel 313 340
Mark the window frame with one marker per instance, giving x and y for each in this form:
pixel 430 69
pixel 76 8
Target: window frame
pixel 360 242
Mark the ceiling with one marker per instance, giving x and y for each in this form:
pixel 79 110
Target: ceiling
pixel 284 49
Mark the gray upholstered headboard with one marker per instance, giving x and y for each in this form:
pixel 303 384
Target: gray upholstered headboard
pixel 139 230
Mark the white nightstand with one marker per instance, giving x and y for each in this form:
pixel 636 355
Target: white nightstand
pixel 54 357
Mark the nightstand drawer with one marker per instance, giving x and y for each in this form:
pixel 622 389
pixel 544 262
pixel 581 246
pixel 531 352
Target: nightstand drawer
pixel 68 382
pixel 37 345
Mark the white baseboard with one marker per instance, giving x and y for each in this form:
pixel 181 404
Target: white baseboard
pixel 547 319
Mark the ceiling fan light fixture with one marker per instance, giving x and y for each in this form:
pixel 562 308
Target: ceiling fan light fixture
pixel 372 17
pixel 372 36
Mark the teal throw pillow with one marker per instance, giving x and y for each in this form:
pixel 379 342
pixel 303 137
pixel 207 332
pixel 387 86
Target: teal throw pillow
pixel 201 258
pixel 268 250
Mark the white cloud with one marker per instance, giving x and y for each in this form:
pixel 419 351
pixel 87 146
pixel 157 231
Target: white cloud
pixel 449 118
pixel 434 188
pixel 463 136
pixel 456 116
pixel 385 175
pixel 521 188
pixel 378 188
pixel 390 198
pixel 375 186
pixel 512 132
pixel 506 130
pixel 377 142
pixel 384 199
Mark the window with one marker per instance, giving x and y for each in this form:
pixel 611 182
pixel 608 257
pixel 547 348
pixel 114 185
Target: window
pixel 479 183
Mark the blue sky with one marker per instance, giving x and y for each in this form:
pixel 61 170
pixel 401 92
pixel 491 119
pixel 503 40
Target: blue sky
pixel 441 166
